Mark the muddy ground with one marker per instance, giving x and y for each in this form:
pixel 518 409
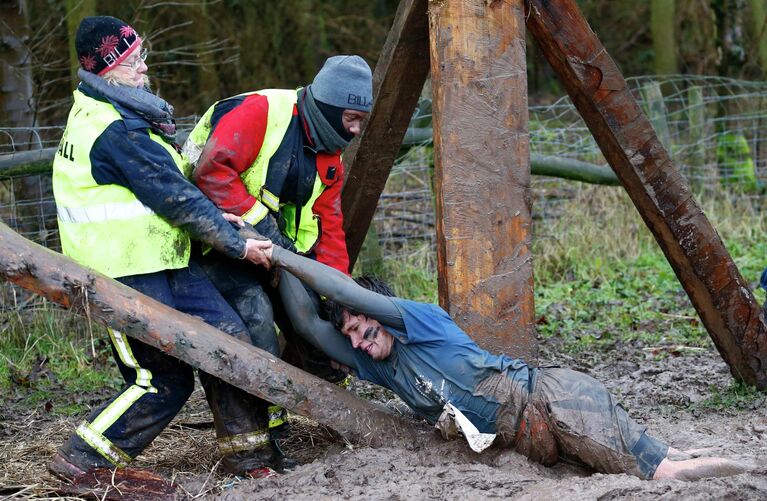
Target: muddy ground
pixel 667 388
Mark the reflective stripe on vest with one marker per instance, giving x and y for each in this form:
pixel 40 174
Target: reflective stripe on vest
pixel 106 227
pixel 102 213
pixel 281 105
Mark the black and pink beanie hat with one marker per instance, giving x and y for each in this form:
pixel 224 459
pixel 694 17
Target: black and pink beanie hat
pixel 103 42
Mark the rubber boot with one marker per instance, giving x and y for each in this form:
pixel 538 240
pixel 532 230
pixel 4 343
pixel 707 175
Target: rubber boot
pixel 62 469
pixel 279 428
pixel 280 462
pixel 256 463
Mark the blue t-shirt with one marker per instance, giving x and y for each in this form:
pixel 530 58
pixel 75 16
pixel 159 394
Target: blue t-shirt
pixel 433 361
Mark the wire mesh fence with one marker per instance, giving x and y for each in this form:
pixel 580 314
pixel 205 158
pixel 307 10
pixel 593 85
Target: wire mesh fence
pixel 713 128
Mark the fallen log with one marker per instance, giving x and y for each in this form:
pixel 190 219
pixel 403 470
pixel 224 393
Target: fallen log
pixel 692 246
pixel 187 338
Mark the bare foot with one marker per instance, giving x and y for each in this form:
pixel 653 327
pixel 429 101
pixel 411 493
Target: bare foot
pixel 694 469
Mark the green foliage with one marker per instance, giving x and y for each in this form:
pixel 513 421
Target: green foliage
pixel 601 277
pixel 737 396
pixel 736 166
pixel 413 276
pixel 48 355
pixel 205 51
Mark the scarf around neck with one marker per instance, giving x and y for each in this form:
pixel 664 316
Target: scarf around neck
pixel 322 134
pixel 155 110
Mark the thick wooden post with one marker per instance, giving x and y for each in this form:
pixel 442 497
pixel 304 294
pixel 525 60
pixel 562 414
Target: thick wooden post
pixel 397 83
pixel 189 339
pixel 482 172
pixel 699 258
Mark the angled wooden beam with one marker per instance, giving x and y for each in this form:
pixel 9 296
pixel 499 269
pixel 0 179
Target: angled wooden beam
pixel 187 338
pixel 482 171
pixel 660 193
pixel 397 83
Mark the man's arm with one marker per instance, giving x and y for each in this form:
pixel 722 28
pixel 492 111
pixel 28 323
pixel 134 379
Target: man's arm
pixel 133 160
pixel 333 284
pixel 310 326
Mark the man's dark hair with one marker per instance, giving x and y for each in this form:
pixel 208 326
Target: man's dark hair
pixel 335 311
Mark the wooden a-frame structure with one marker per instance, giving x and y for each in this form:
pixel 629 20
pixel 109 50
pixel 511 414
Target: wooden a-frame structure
pixel 481 151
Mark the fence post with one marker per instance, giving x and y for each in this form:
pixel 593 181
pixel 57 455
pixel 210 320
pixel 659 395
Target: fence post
pixel 700 175
pixel 656 111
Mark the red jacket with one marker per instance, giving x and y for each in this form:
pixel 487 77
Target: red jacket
pixel 233 147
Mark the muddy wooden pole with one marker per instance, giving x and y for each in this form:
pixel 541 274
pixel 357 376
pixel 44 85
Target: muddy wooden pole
pixel 187 338
pixel 699 258
pixel 397 83
pixel 482 172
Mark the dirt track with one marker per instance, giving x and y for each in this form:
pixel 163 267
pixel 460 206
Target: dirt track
pixel 662 387
pixel 664 394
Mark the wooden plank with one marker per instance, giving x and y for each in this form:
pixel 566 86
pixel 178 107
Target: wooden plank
pixel 397 83
pixel 660 193
pixel 187 338
pixel 482 172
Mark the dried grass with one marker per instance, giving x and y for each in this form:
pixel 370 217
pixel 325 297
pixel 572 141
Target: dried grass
pixel 185 451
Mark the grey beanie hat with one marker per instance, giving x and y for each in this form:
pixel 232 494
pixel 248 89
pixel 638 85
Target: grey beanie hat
pixel 345 82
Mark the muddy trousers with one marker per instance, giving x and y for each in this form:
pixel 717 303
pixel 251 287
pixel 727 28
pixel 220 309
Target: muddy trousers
pixel 157 385
pixel 246 288
pixel 572 416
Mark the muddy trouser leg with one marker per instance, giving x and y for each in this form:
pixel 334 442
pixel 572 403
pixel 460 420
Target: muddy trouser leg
pixel 300 352
pixel 156 387
pixel 240 284
pixel 591 428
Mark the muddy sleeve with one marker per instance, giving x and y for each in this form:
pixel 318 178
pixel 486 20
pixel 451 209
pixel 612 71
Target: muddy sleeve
pixel 341 288
pixel 133 160
pixel 310 326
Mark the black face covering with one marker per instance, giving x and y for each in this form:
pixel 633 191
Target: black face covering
pixel 334 116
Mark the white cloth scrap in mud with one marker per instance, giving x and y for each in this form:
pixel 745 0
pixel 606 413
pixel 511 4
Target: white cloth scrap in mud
pixel 452 422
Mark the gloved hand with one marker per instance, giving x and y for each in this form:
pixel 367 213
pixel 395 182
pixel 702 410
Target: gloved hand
pixel 268 228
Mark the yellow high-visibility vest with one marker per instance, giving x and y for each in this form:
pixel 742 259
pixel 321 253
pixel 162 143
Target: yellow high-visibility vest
pixel 105 227
pixel 281 104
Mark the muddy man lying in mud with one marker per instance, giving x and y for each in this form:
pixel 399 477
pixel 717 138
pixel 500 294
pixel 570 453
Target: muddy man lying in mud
pixel 417 351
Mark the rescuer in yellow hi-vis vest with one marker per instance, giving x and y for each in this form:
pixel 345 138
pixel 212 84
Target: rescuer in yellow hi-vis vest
pixel 274 157
pixel 127 210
